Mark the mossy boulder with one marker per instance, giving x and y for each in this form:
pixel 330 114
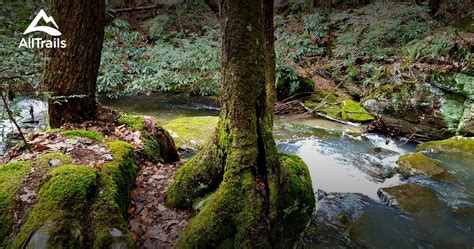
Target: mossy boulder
pixel 418 164
pixel 11 176
pixel 352 111
pixel 338 106
pixel 434 109
pixel 59 212
pixel 81 206
pixel 192 133
pixel 466 125
pixel 456 145
pixel 158 145
pixel 411 198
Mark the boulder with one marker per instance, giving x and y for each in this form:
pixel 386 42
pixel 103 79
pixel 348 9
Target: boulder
pixel 418 164
pixel 439 108
pixel 456 145
pixel 411 198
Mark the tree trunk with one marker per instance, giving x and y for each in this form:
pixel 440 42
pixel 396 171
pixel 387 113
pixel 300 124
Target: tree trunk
pixel 239 175
pixel 72 73
pixel 434 6
pixel 326 4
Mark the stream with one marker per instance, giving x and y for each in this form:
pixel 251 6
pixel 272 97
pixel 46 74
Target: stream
pixel 348 167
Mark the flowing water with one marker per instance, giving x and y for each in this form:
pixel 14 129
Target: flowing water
pixel 21 109
pixel 347 167
pixel 342 159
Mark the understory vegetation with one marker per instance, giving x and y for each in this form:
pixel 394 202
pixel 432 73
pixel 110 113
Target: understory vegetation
pixel 177 48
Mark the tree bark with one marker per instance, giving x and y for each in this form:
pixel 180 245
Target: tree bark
pixel 243 153
pixel 241 170
pixel 326 4
pixel 71 76
pixel 434 6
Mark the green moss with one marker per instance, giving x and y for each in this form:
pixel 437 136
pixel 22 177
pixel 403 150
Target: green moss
pixel 352 111
pixel 297 201
pixel 413 164
pixel 151 147
pixel 82 133
pixel 191 182
pixel 43 161
pixel 80 205
pixel 110 207
pixel 458 145
pixel 192 132
pixel 11 176
pixel 340 108
pixel 234 215
pixel 135 122
pixel 52 130
pixel 62 202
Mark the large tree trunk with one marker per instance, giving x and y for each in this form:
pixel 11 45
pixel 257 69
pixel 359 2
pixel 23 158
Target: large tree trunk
pixel 72 73
pixel 434 6
pixel 326 4
pixel 241 167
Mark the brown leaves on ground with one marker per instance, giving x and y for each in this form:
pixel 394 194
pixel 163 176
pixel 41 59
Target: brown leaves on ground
pixel 84 151
pixel 151 222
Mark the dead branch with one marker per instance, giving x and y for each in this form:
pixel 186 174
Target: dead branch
pixel 12 118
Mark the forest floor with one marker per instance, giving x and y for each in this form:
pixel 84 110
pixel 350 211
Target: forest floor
pixel 152 223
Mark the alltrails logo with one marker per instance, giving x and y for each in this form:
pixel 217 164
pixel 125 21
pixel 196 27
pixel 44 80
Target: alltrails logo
pixel 56 42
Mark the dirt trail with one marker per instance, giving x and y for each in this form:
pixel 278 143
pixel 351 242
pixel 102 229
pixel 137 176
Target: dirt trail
pixel 152 223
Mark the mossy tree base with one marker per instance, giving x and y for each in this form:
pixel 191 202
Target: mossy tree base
pixel 236 215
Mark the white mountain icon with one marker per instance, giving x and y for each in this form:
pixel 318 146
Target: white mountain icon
pixel 46 29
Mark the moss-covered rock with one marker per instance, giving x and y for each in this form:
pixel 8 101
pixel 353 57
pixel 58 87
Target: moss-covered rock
pixel 415 164
pixel 82 133
pixel 352 111
pixel 158 144
pixel 192 132
pixel 109 210
pixel 411 198
pixel 457 145
pixel 80 206
pixel 135 122
pixel 439 108
pixel 466 125
pixel 11 176
pixel 338 106
pixel 62 202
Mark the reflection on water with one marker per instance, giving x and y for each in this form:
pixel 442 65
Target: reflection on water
pixel 331 165
pixel 165 107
